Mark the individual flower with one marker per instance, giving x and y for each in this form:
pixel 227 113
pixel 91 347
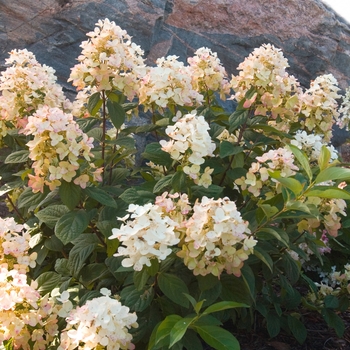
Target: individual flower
pixel 109 61
pixel 169 83
pixel 25 86
pixel 208 73
pixel 189 144
pixel 217 239
pixel 57 146
pixel 101 323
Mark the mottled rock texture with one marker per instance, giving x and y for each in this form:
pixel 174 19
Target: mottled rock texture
pixel 313 38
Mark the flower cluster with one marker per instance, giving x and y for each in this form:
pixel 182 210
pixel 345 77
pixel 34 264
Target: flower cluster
pixel 281 160
pixel 189 143
pixel 57 145
pixel 148 234
pixel 217 238
pixel 109 61
pixel 312 144
pixel 276 93
pixel 168 84
pixel 208 73
pixel 331 211
pixel 24 315
pixel 319 106
pixel 344 120
pixel 25 86
pixel 101 323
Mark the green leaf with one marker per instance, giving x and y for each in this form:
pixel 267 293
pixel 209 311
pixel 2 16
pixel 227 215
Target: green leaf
pixel 101 196
pixel 164 329
pixel 116 113
pixel 154 153
pixel 134 196
pixel 191 341
pixel 137 300
pixel 235 289
pixel 17 157
pixel 303 160
pixel 94 103
pixel 163 182
pixel 173 287
pixel 92 272
pixel 291 267
pixel 264 257
pixel 54 244
pixel 223 305
pixel 228 149
pixel 154 268
pixel 273 324
pixel 331 302
pixel 218 338
pixel 70 194
pixel 179 182
pixel 30 200
pixel 249 279
pixel 334 321
pixel 333 174
pixel 51 214
pixel 9 344
pixel 294 185
pixel 84 245
pixel 272 233
pixel 324 158
pixel 47 281
pixel 140 278
pixel 179 329
pixel 327 192
pixel 297 328
pixel 71 225
pixel 238 118
pixel 268 210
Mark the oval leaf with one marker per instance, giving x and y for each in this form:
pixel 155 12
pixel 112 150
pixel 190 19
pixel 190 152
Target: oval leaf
pixel 173 287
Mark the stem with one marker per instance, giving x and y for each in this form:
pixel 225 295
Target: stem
pixel 103 130
pixel 114 150
pixel 98 234
pixel 14 207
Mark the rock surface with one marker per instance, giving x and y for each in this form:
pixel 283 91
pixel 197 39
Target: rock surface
pixel 313 38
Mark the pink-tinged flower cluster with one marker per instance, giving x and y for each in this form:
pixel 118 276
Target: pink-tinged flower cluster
pixel 150 231
pixel 168 84
pixel 101 323
pixel 14 246
pixel 281 160
pixel 319 106
pixel 312 144
pixel 24 315
pixel 331 211
pixel 189 144
pixel 276 93
pixel 57 146
pixel 109 61
pixel 344 119
pixel 25 86
pixel 212 234
pixel 217 238
pixel 208 73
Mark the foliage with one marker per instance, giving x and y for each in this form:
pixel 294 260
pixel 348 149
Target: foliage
pixel 228 214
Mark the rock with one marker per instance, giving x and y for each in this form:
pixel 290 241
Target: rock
pixel 314 39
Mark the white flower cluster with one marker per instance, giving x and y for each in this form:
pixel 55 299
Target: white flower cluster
pixel 25 86
pixel 24 316
pixel 344 120
pixel 276 92
pixel 319 106
pixel 281 160
pixel 189 143
pixel 101 323
pixel 208 73
pixel 169 83
pixel 311 144
pixel 109 61
pixel 57 145
pixel 217 238
pixel 14 240
pixel 212 235
pixel 148 235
